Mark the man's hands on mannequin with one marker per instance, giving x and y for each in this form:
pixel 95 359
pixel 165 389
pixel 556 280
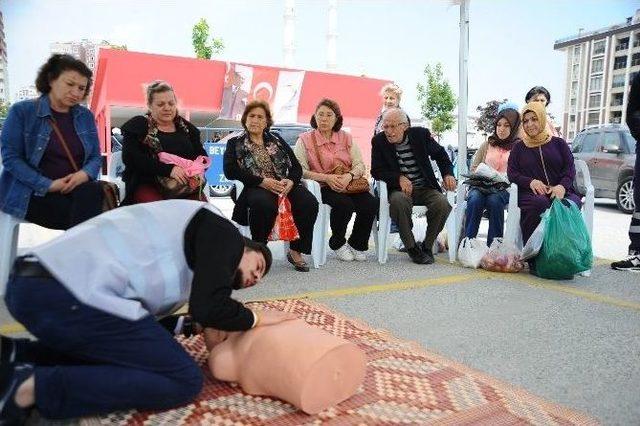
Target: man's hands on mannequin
pixel 271 317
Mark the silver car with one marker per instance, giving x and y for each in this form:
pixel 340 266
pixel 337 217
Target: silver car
pixel 610 154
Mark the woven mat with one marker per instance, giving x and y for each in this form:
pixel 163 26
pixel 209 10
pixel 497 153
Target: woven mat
pixel 404 385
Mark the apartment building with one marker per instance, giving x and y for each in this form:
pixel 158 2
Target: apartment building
pixel 599 69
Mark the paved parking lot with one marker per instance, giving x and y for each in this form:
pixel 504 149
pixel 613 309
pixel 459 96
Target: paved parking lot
pixel 574 342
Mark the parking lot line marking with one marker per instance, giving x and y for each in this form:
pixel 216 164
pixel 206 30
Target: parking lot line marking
pixel 377 288
pixel 574 291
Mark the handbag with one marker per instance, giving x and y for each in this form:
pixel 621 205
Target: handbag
pixel 194 169
pixel 356 186
pixel 110 191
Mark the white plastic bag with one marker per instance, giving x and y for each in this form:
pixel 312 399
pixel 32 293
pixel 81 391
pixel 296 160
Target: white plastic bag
pixel 471 251
pixel 489 172
pixel 534 243
pixel 419 230
pixel 502 257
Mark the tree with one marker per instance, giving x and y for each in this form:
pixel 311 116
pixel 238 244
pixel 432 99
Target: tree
pixel 4 108
pixel 437 100
pixel 201 44
pixel 488 114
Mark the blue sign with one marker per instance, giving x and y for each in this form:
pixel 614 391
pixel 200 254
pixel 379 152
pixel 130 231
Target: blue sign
pixel 215 174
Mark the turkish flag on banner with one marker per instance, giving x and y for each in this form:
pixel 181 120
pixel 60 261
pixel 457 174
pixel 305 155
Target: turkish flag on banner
pixel 263 86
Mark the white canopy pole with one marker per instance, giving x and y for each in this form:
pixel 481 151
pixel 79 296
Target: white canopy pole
pixel 463 86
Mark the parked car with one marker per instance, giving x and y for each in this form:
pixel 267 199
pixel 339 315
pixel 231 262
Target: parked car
pixel 289 133
pixel 610 154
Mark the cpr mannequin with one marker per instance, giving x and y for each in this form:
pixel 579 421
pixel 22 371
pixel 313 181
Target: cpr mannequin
pixel 293 361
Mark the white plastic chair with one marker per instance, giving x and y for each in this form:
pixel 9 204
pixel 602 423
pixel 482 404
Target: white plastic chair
pixel 513 231
pixel 319 234
pixel 9 229
pixel 116 167
pixel 382 230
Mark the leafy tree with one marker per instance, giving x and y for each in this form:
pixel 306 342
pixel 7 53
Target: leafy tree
pixel 488 114
pixel 4 108
pixel 200 37
pixel 437 100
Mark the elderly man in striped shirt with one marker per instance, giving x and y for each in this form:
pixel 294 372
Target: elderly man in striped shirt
pixel 401 156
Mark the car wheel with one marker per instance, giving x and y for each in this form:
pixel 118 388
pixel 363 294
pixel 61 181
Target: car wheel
pixel 624 195
pixel 220 190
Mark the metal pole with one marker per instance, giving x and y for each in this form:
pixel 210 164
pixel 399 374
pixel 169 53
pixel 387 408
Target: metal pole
pixel 463 84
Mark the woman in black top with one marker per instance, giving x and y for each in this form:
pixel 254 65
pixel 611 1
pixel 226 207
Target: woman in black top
pixel 162 129
pixel 267 167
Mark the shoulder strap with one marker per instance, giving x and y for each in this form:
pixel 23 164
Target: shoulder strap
pixel 543 166
pixel 63 143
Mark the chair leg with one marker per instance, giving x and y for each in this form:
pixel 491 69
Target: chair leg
pixel 9 230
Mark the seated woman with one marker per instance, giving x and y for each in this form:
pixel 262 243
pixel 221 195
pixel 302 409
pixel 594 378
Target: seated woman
pixel 542 167
pixel 162 129
pixel 320 151
pixel 495 154
pixel 267 167
pixel 39 182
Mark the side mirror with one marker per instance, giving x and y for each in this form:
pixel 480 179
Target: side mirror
pixel 612 149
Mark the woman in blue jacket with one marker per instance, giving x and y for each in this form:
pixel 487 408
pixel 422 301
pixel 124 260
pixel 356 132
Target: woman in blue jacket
pixel 38 182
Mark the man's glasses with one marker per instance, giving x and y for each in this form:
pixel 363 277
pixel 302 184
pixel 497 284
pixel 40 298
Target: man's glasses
pixel 392 127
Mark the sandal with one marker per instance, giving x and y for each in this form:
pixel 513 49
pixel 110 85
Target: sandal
pixel 300 266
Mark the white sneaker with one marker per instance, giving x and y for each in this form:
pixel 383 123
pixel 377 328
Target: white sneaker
pixel 360 256
pixel 344 253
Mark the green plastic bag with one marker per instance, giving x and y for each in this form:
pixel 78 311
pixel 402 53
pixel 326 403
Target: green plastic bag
pixel 566 249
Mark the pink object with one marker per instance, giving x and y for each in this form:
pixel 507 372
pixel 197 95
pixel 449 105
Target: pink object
pixel 303 365
pixel 191 167
pixel 332 152
pixel 497 158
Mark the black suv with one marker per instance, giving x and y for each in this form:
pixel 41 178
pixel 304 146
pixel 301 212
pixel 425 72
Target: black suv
pixel 289 133
pixel 610 154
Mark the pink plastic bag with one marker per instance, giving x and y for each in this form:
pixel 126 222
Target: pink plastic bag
pixel 502 257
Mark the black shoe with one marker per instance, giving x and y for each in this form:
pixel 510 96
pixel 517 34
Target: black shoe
pixel 417 256
pixel 428 253
pixel 631 263
pixel 11 377
pixel 300 266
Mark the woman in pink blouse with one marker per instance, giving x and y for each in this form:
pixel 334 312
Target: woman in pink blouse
pixel 319 151
pixel 495 154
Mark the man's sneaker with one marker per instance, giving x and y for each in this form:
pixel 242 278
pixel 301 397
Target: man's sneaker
pixel 344 253
pixel 417 256
pixel 360 256
pixel 11 377
pixel 631 263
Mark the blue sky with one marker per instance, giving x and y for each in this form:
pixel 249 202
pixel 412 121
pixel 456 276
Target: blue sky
pixel 511 41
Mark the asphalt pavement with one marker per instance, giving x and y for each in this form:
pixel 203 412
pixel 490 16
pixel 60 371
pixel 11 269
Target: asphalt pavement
pixel 574 342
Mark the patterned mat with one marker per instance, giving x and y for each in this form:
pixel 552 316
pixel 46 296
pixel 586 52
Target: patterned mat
pixel 404 385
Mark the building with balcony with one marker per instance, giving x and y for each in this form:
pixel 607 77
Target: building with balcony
pixel 600 67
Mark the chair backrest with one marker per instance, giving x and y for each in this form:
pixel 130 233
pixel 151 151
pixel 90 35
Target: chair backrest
pixel 583 177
